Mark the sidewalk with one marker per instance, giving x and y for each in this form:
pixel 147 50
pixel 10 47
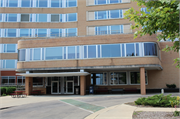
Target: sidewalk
pixel 123 111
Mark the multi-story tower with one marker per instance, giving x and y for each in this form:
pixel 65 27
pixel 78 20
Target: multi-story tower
pixel 68 44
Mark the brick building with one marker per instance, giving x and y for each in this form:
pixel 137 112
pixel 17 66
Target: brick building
pixel 57 46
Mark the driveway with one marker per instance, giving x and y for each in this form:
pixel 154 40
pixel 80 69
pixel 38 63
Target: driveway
pixel 60 107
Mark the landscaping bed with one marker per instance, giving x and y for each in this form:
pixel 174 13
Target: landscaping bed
pixel 154 115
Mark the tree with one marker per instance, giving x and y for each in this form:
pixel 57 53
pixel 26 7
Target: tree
pixel 161 15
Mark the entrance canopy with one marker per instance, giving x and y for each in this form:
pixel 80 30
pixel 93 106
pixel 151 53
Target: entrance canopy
pixel 53 74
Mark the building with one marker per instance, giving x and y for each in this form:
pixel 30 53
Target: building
pixel 68 44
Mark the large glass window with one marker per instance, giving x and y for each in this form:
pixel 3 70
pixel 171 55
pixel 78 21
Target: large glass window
pixel 37 81
pixel 41 32
pixel 53 53
pixel 11 48
pixel 12 3
pixel 114 14
pixel 54 32
pixel 71 52
pixel 12 79
pixel 118 78
pixel 135 77
pixel 98 2
pixel 115 29
pixel 112 50
pixel 37 54
pixel 115 1
pixel 137 49
pixel 25 32
pixel 92 51
pixel 0 17
pixel 100 30
pixel 11 17
pixel 150 49
pixel 4 80
pixel 71 32
pixel 21 80
pixel 72 17
pixel 130 51
pixel 10 63
pixel 41 3
pixel 101 15
pixel 10 32
pixel 100 78
pixel 26 3
pixel 56 3
pixel 41 17
pixel 72 3
pixel 22 54
pixel 54 17
pixel 24 17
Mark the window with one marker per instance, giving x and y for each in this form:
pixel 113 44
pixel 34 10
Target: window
pixel 21 55
pixel 71 52
pixel 24 17
pixel 116 29
pixel 41 32
pixel 12 3
pixel 1 3
pixel 25 32
pixel 114 14
pixel 26 3
pixel 10 32
pixel 71 3
pixel 12 79
pixel 41 18
pixel 54 17
pixel 53 53
pixel 11 17
pixel 5 80
pixel 135 77
pixel 1 18
pixel 115 1
pixel 8 64
pixel 11 48
pixel 137 49
pixel 100 30
pixel 101 15
pixel 118 78
pixel 130 51
pixel 99 78
pixel 37 81
pixel 76 80
pixel 54 32
pixel 41 3
pixel 98 2
pixel 71 32
pixel 150 49
pixel 37 54
pixel 92 51
pixel 21 80
pixel 56 3
pixel 72 17
pixel 112 50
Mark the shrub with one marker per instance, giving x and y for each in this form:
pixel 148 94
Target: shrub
pixel 156 100
pixel 10 90
pixel 171 85
pixel 3 90
pixel 3 94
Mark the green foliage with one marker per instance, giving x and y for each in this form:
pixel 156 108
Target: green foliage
pixel 156 100
pixel 10 90
pixel 163 15
pixel 176 113
pixel 3 90
pixel 3 94
pixel 171 85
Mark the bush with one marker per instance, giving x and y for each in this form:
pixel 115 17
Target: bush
pixel 171 85
pixel 3 94
pixel 156 101
pixel 10 90
pixel 3 90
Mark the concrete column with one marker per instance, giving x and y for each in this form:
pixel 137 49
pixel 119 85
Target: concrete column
pixel 142 80
pixel 82 85
pixel 28 85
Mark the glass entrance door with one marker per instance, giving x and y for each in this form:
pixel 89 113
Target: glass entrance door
pixel 55 87
pixel 70 87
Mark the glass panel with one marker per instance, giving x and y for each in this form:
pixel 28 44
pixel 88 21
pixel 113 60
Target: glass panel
pixel 60 84
pixel 115 29
pixel 76 81
pixel 23 80
pixel 101 15
pixel 11 32
pixel 64 52
pixel 70 87
pixel 72 32
pixel 25 17
pixel 25 3
pixel 100 2
pixel 54 32
pixel 135 78
pixel 99 51
pixel 42 18
pixel 43 3
pixel 112 50
pixel 72 3
pixel 85 51
pixel 65 78
pixel 24 32
pixel 12 17
pixel 4 80
pixel 55 18
pixel 114 14
pixel 137 49
pixel 11 47
pixel 101 30
pixel 53 53
pixel 150 49
pixel 77 52
pixel 72 17
pixel 91 51
pixel 37 80
pixel 130 50
pixel 71 52
pixel 55 3
pixel 120 77
pixel 10 63
pixel 0 17
pixel 42 32
pixel 49 81
pixel 99 79
pixel 19 80
pixel 22 54
pixel 13 3
pixel 123 51
pixel 114 1
pixel 55 87
pixel 37 54
pixel 12 79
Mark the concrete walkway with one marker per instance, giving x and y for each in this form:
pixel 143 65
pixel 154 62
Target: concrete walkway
pixel 124 111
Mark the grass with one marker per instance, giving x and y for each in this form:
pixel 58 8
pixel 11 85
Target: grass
pixel 136 112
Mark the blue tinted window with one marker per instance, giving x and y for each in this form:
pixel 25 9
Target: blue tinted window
pixel 55 32
pixel 24 32
pixel 41 32
pixel 101 30
pixel 12 17
pixel 91 51
pixel 72 17
pixel 1 4
pixel 137 49
pixel 11 32
pixel 55 3
pixel 12 3
pixel 130 50
pixel 42 3
pixel 123 51
pixel 71 52
pixel 85 51
pixel 37 54
pixel 10 63
pixel 53 53
pixel 72 3
pixel 42 17
pixel 114 14
pixel 0 17
pixel 11 47
pixel 31 54
pixel 77 51
pixel 64 52
pixel 150 49
pixel 97 2
pixel 101 15
pixel 114 1
pixel 21 54
pixel 72 32
pixel 115 29
pixel 98 50
pixel 112 50
pixel 26 3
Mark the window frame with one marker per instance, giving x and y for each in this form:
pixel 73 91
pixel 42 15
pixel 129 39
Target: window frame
pixel 113 78
pixel 146 75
